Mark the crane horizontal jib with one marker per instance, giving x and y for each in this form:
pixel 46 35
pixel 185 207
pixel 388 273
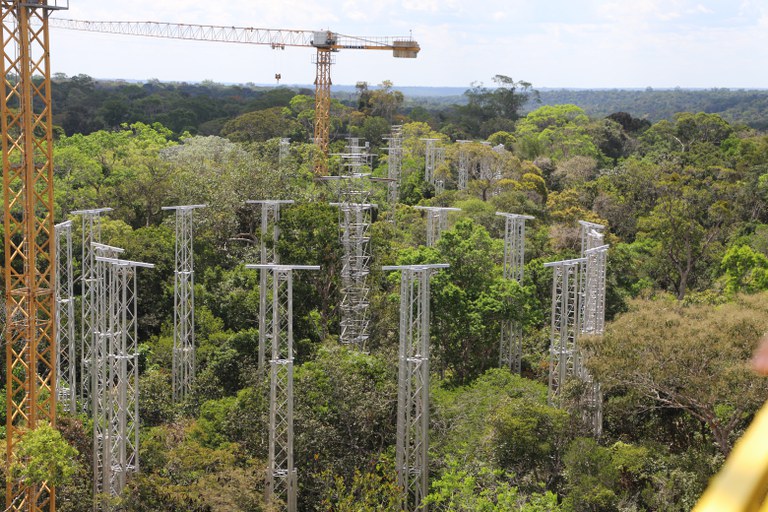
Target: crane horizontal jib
pixel 402 46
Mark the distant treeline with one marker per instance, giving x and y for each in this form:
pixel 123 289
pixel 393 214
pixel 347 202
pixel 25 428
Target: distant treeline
pixel 82 104
pixel 736 106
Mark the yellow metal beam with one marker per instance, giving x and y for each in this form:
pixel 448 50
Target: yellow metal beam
pixel 27 152
pixel 742 483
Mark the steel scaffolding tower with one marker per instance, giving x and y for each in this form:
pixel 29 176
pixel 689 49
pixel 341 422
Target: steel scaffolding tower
pixel 511 345
pixel 29 268
pixel 430 155
pixel 65 319
pixel 269 234
pixel 116 376
pixel 283 149
pixel 91 233
pixel 355 315
pixel 463 177
pixel 394 165
pixel 565 324
pixel 281 473
pixel 591 235
pixel 593 322
pixel 355 213
pixel 437 221
pixel 183 365
pixel 593 318
pixel 412 461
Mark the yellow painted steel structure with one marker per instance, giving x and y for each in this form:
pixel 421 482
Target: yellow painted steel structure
pixel 27 147
pixel 742 483
pixel 324 41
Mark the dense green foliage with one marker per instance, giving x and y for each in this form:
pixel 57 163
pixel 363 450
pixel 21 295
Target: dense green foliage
pixel 685 202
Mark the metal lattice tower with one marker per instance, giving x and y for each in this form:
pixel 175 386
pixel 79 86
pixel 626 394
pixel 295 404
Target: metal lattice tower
pixel 66 359
pixel 29 237
pixel 563 357
pixel 355 310
pixel 394 164
pixel 281 473
pixel 283 149
pixel 437 221
pixel 412 462
pixel 593 317
pixel 355 215
pixel 463 165
pixel 91 232
pixel 592 295
pixel 116 393
pixel 183 365
pixel 511 345
pixel 591 235
pixel 269 234
pixel 100 346
pixel 430 155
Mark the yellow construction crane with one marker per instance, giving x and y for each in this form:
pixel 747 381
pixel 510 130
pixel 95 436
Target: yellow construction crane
pixel 29 266
pixel 325 42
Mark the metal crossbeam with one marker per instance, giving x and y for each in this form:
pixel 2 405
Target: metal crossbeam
pixel 66 359
pixel 413 384
pixel 281 472
pixel 183 364
pixel 511 343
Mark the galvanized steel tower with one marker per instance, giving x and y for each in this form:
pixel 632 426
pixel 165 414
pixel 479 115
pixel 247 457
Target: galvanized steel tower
pixel 413 384
pixel 183 365
pixel 281 472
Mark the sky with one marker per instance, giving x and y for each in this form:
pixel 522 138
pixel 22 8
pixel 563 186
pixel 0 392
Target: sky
pixel 549 43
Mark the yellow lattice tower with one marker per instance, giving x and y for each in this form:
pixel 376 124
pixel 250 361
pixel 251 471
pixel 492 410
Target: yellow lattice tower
pixel 322 110
pixel 25 101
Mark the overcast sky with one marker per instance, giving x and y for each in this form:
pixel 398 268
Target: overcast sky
pixel 550 43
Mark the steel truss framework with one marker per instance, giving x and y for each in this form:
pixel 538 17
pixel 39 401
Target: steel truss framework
pixel 283 150
pixel 394 165
pixel 281 475
pixel 565 322
pixel 430 160
pixel 437 221
pixel 29 237
pixel 269 234
pixel 412 461
pixel 593 318
pixel 114 392
pixel 183 365
pixel 91 234
pixel 66 359
pixel 355 216
pixel 511 344
pixel 463 174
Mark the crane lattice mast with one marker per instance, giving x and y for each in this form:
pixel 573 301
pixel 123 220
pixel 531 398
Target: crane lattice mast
pixel 437 221
pixel 324 41
pixel 29 266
